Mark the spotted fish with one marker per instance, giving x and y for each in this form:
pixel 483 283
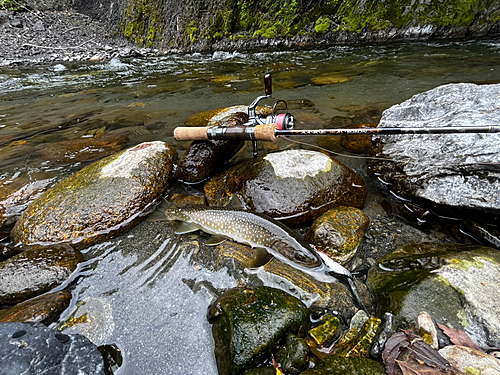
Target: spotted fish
pixel 254 229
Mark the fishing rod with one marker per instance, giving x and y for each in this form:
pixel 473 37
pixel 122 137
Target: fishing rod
pixel 269 128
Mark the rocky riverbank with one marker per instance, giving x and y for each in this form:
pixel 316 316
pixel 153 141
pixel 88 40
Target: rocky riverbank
pixel 33 37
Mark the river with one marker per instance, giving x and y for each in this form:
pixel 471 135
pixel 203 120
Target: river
pixel 144 291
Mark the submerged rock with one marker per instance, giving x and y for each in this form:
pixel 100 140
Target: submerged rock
pixel 329 295
pixel 16 197
pixel 338 232
pixel 214 116
pixel 45 309
pixel 238 259
pixel 35 349
pixel 203 158
pixel 36 271
pixel 84 149
pixel 100 200
pixel 453 172
pixel 455 284
pixel 248 323
pixel 292 186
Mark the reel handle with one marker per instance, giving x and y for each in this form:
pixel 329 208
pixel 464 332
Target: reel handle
pixel 264 133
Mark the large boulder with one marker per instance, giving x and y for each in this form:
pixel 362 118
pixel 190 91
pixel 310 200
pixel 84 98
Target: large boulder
pixel 32 348
pixel 100 200
pixel 449 171
pixel 456 284
pixel 294 186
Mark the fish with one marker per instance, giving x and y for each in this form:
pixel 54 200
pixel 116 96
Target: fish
pixel 254 229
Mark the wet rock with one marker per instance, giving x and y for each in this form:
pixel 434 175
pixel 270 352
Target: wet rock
pixel 338 232
pixel 321 294
pixel 329 79
pixel 388 329
pixel 36 271
pixel 358 340
pixel 336 365
pixel 248 323
pixel 292 186
pixel 45 309
pixel 425 328
pixel 326 331
pixel 35 349
pixel 84 149
pixel 451 172
pixel 204 158
pixel 15 198
pixel 455 284
pixel 359 143
pixel 100 200
pixel 292 357
pixel 262 371
pixel 300 104
pixel 471 361
pixel 7 251
pixel 214 116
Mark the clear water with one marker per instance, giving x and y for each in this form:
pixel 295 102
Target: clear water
pixel 146 99
pixel 149 295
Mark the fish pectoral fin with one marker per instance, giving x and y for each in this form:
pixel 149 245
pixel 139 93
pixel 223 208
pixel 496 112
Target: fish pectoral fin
pixel 215 240
pixel 186 228
pixel 260 257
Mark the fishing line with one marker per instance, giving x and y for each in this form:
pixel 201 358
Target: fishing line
pixel 437 164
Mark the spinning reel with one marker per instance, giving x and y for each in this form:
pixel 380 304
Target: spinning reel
pixel 280 121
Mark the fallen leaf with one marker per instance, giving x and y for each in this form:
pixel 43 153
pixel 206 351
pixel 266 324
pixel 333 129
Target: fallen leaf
pixel 459 337
pixel 403 345
pixel 414 367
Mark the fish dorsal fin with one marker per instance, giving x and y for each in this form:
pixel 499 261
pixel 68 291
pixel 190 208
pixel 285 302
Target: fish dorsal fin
pixel 215 240
pixel 236 202
pixel 186 228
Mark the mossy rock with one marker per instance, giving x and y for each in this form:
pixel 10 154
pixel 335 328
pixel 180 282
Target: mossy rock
pixel 293 356
pixel 339 232
pixel 44 309
pixel 294 186
pixel 100 200
pixel 455 284
pixel 329 295
pixel 249 323
pixel 336 365
pixel 36 271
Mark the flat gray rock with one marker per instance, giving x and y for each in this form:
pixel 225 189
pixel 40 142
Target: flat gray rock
pixel 455 170
pixel 35 349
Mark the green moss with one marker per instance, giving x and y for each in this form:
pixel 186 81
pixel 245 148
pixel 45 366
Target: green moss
pixel 322 25
pixel 192 31
pixel 12 5
pixel 143 22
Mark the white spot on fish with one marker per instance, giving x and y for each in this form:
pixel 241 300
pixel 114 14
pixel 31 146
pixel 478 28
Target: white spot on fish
pixel 298 163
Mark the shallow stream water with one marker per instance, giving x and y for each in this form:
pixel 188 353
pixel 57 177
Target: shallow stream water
pixel 144 291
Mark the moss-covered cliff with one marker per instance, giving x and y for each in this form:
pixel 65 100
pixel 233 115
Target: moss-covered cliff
pixel 199 25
